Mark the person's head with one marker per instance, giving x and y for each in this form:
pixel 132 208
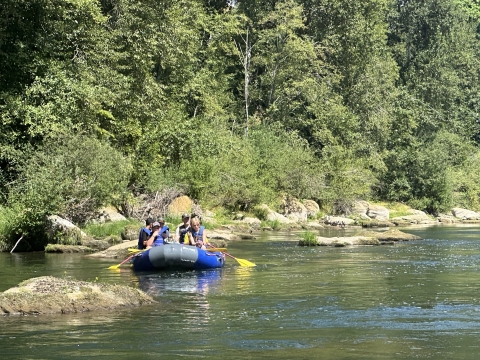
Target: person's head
pixel 161 221
pixel 156 226
pixel 185 218
pixel 195 223
pixel 149 222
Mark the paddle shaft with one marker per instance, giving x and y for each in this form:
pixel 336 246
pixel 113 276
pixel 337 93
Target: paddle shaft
pixel 123 262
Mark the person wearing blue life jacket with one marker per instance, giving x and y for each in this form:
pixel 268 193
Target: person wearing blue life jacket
pixel 145 234
pixel 161 231
pixel 183 229
pixel 197 235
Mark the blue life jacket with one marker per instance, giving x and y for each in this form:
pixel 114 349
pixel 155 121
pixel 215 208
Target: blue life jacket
pixel 197 235
pixel 159 240
pixel 143 230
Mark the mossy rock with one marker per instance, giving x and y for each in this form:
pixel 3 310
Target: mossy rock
pixel 50 295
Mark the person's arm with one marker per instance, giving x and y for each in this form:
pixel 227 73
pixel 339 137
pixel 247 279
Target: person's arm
pixel 151 239
pixel 177 234
pixel 191 240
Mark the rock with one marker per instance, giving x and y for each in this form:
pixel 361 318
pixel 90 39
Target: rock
pixel 312 225
pixel 68 249
pixel 109 214
pixel 271 215
pixel 238 216
pixel 418 218
pixel 465 214
pixel 376 223
pixel 196 211
pixel 365 238
pixel 104 243
pixel 116 251
pixel 338 221
pixel 445 220
pixel 130 232
pixel 347 241
pixel 61 231
pixel 254 223
pixel 180 205
pixel 360 208
pixel 312 208
pixel 378 212
pixel 294 209
pixel 237 226
pixel 246 236
pixel 395 235
pixel 50 295
pixel 222 235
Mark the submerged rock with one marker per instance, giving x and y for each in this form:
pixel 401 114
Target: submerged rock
pixel 50 295
pixel 366 238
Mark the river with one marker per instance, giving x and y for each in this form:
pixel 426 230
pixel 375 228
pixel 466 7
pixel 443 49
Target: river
pixel 414 300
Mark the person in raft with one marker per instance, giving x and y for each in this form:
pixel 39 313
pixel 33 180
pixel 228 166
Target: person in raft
pixel 182 229
pixel 197 235
pixel 145 233
pixel 164 230
pixel 155 239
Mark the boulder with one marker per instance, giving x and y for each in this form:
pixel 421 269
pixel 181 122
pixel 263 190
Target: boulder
pixel 418 217
pixel 395 235
pixel 312 208
pixel 465 214
pixel 294 209
pixel 378 212
pixel 360 208
pixel 109 214
pixel 50 295
pixel 254 223
pixel 180 205
pixel 274 216
pixel 271 215
pixel 62 231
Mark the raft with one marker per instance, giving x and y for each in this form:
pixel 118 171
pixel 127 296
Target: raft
pixel 177 256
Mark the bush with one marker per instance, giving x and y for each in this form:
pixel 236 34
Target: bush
pixel 71 176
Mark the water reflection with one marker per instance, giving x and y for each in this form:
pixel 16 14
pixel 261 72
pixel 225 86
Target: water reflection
pixel 196 282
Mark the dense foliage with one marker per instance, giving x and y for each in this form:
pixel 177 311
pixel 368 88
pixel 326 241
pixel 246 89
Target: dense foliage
pixel 236 103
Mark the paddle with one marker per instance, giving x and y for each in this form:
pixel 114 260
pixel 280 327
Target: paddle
pixel 114 267
pixel 242 262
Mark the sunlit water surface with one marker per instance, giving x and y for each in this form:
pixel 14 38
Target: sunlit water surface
pixel 414 300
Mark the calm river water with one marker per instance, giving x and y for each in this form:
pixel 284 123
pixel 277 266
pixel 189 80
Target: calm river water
pixel 416 300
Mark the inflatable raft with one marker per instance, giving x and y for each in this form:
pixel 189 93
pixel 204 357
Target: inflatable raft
pixel 177 256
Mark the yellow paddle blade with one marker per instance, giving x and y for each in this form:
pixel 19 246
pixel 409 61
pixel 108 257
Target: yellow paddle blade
pixel 245 263
pixel 134 250
pixel 114 267
pixel 217 249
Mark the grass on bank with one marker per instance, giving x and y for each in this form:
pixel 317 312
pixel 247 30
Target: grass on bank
pixel 111 228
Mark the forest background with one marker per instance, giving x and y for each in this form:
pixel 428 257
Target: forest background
pixel 236 104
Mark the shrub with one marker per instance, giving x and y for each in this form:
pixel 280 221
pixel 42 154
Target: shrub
pixel 71 176
pixel 308 239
